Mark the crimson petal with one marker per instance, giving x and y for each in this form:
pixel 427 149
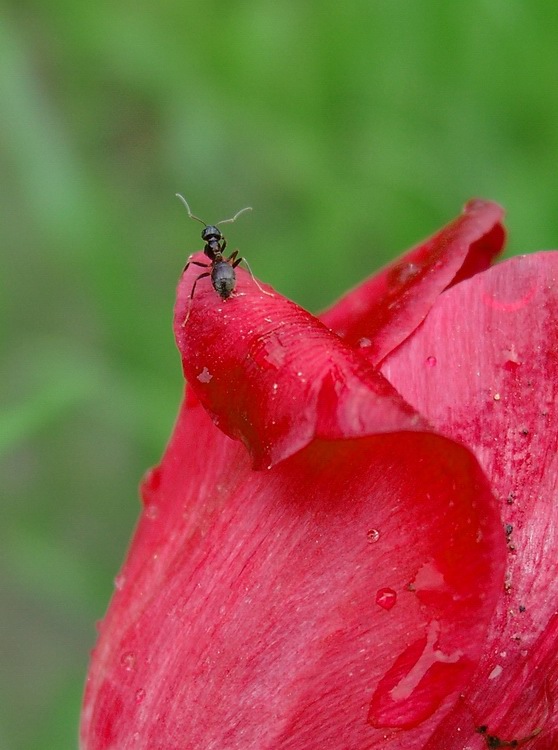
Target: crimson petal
pixel 384 310
pixel 484 369
pixel 274 377
pixel 349 588
pixel 335 600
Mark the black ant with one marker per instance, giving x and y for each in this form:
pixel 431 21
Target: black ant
pixel 222 272
pixel 492 741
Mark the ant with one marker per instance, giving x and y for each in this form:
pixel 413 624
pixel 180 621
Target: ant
pixel 223 277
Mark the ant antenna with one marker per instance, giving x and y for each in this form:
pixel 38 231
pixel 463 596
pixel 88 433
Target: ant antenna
pixel 191 215
pixel 224 221
pixel 235 217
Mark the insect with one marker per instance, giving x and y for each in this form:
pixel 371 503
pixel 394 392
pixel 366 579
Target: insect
pixel 223 277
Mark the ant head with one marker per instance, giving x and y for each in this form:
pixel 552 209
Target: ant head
pixel 211 232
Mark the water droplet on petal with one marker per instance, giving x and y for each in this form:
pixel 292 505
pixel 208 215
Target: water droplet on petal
pixel 496 672
pixel 405 272
pixel 372 535
pixel 511 356
pixel 151 511
pixel 429 578
pixel 364 343
pixel 431 361
pixel 386 598
pixel 205 376
pixel 269 351
pixel 119 582
pixel 128 661
pixel 420 664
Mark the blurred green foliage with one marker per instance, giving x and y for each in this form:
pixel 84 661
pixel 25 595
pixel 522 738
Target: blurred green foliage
pixel 354 129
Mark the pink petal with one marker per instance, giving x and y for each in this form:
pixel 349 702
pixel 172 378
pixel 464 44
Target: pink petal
pixel 247 613
pixel 484 369
pixel 273 376
pixel 381 312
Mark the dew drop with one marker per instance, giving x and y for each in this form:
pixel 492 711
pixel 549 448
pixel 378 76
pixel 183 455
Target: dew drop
pixel 151 511
pixel 140 695
pixel 511 366
pixel 128 661
pixel 372 535
pixel 386 598
pixel 496 672
pixel 511 356
pixel 119 582
pixel 406 272
pixel 497 397
pixel 205 376
pixel 415 672
pixel 364 343
pixel 270 351
pixel 429 578
pixel 431 361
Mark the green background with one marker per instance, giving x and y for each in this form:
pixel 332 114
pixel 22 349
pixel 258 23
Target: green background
pixel 354 129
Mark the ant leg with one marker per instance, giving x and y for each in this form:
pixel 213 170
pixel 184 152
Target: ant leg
pixel 194 263
pixel 232 257
pixel 254 279
pixel 201 276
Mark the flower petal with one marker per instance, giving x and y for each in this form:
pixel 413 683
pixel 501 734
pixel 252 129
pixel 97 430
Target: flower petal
pixel 380 313
pixel 484 369
pixel 341 597
pixel 274 377
pixel 349 588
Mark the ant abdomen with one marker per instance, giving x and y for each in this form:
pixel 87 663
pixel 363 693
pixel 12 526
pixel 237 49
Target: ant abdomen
pixel 223 278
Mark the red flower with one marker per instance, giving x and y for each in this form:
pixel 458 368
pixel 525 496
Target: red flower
pixel 371 560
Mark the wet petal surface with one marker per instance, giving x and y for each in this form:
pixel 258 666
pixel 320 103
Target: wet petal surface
pixel 384 310
pixel 273 376
pixel 251 611
pixel 485 371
